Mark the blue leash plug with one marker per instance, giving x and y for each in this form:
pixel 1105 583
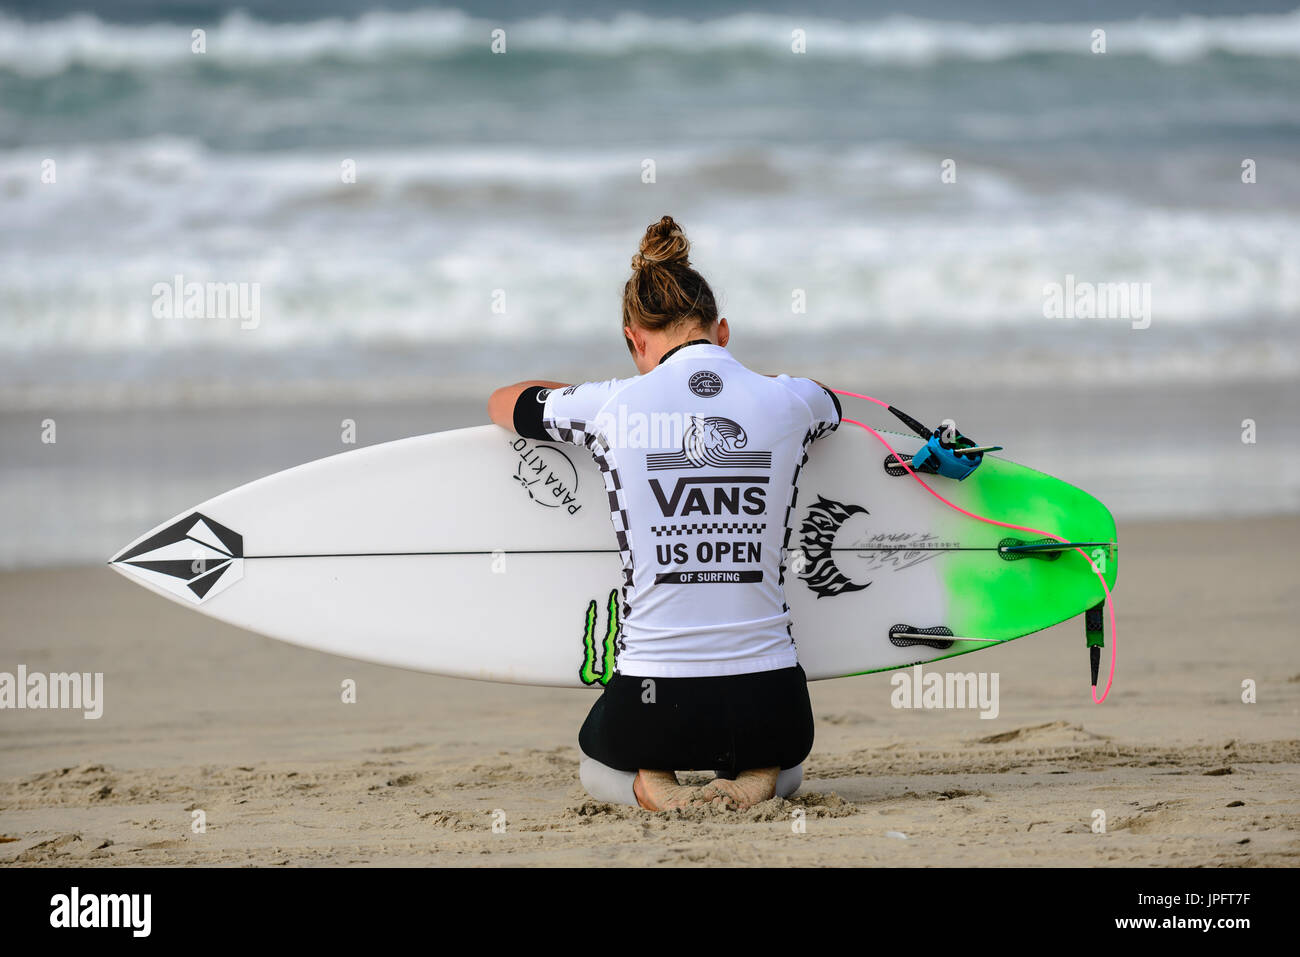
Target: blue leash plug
pixel 955 459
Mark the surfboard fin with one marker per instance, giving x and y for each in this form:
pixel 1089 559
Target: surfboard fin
pixel 1094 632
pixel 895 468
pixel 938 637
pixel 1048 548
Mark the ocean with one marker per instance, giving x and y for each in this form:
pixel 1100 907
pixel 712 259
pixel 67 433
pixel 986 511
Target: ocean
pixel 420 219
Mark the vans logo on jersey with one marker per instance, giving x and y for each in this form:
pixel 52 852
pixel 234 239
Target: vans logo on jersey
pixel 710 441
pixel 705 384
pixel 729 495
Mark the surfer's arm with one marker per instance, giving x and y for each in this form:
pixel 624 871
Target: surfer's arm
pixel 503 402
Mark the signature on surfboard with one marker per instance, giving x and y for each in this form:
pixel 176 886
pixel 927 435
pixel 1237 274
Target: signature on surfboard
pixel 897 550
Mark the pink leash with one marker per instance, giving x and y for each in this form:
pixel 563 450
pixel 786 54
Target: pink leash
pixel 1110 605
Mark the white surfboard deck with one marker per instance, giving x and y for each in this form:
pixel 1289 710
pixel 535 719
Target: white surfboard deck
pixel 478 554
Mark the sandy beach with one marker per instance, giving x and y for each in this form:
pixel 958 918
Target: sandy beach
pixel 199 716
pixel 240 238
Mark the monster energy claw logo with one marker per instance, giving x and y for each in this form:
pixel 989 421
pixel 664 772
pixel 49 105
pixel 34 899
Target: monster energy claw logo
pixel 588 672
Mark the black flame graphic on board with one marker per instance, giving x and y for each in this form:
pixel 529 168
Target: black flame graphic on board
pixel 817 538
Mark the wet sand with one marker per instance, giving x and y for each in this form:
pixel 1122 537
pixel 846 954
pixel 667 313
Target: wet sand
pixel 253 732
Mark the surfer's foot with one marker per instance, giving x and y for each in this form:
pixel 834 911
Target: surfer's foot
pixel 748 787
pixel 659 791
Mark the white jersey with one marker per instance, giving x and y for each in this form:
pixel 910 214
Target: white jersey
pixel 701 459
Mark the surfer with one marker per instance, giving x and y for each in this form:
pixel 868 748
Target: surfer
pixel 706 672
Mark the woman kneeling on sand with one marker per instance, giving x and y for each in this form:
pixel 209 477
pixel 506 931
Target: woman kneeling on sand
pixel 706 673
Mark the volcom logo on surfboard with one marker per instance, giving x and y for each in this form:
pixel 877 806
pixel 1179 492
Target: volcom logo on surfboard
pixel 710 441
pixel 195 558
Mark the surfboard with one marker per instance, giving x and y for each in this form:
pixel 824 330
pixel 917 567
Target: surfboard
pixel 479 554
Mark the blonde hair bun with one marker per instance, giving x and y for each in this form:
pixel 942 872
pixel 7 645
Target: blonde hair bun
pixel 663 242
pixel 663 290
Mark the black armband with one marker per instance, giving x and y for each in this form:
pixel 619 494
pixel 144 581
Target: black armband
pixel 528 413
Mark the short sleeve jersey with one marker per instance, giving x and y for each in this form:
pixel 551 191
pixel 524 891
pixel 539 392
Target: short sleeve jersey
pixel 701 460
